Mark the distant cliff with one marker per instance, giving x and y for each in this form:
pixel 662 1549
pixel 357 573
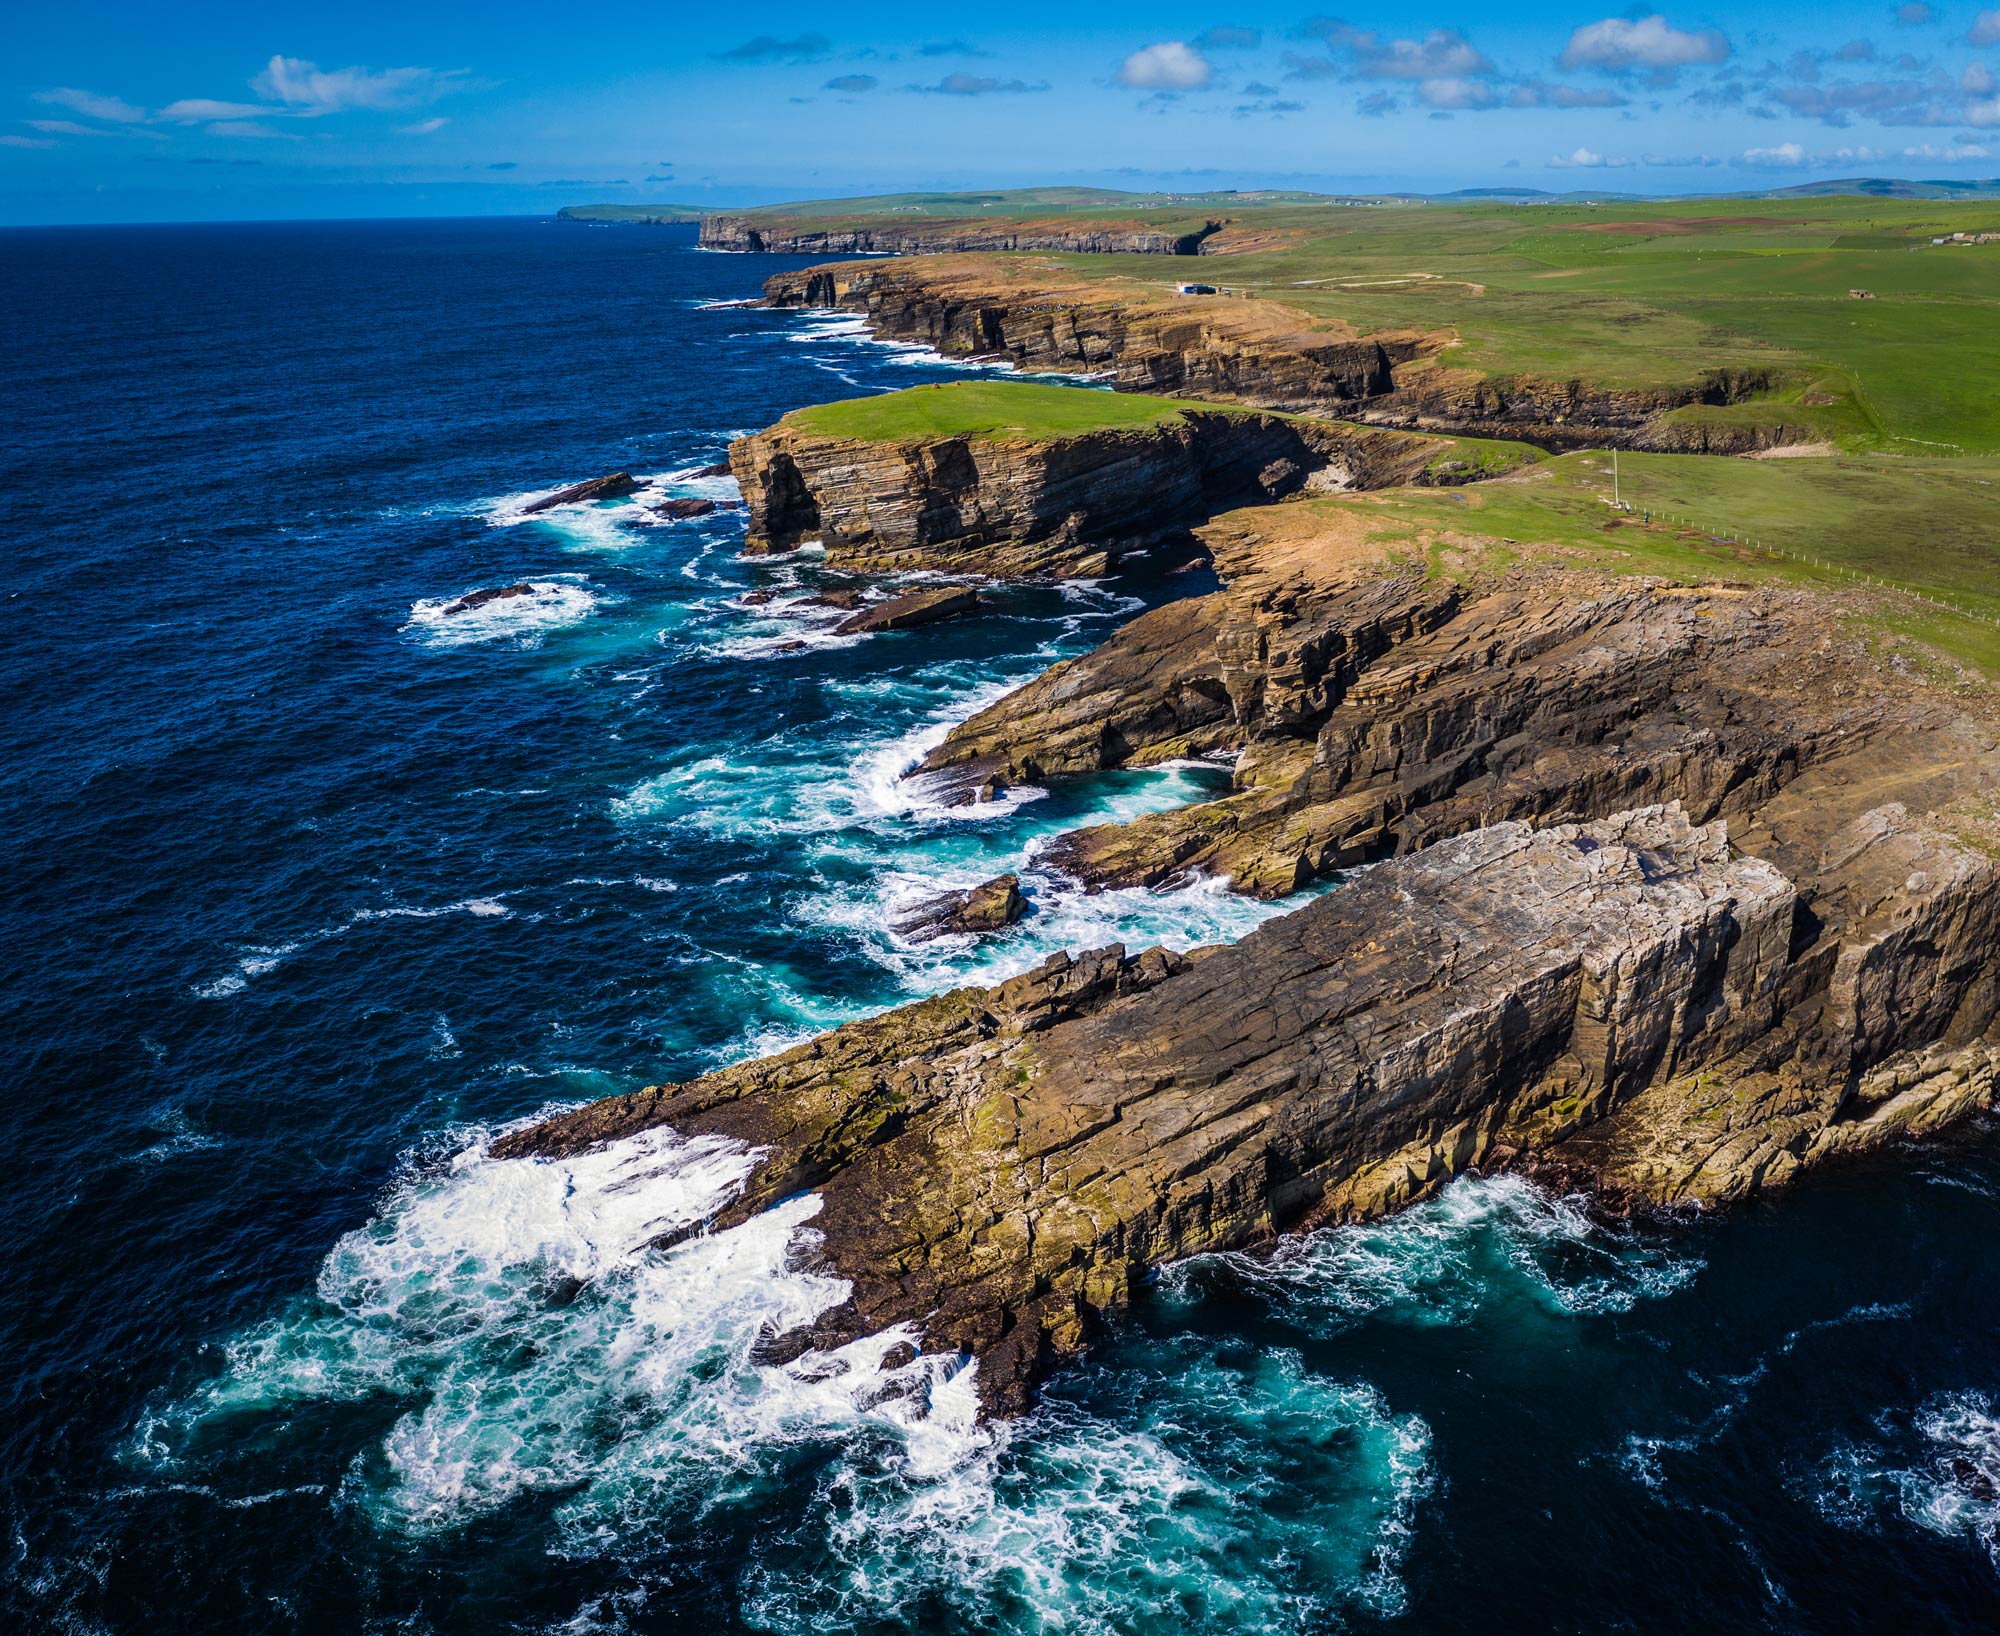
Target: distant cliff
pixel 637 215
pixel 802 236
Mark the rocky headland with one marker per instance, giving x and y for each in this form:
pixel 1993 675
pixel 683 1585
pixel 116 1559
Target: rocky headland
pixel 1006 501
pixel 1672 891
pixel 1268 355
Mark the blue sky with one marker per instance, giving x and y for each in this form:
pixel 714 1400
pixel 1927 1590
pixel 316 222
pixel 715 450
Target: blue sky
pixel 121 112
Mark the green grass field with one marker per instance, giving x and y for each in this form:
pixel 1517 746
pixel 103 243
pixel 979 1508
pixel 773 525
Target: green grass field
pixel 1924 526
pixel 1021 411
pixel 1653 293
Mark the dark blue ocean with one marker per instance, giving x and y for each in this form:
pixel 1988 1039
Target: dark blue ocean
pixel 312 886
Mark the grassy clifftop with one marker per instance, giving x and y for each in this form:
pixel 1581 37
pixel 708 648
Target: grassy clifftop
pixel 1019 411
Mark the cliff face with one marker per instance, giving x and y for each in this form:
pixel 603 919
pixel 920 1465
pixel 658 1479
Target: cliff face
pixel 945 236
pixel 1264 354
pixel 1673 904
pixel 1065 505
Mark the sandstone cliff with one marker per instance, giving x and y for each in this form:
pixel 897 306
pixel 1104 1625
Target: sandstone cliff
pixel 999 504
pixel 798 236
pixel 1266 354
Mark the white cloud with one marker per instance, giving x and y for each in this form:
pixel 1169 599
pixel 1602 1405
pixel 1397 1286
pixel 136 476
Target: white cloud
pixel 1168 66
pixel 67 127
pixel 423 127
pixel 1985 28
pixel 1619 43
pixel 1977 79
pixel 310 89
pixel 1786 156
pixel 25 142
pixel 1957 153
pixel 92 106
pixel 1985 114
pixel 1586 159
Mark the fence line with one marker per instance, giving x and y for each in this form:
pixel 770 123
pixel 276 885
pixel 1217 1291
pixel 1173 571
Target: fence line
pixel 1819 563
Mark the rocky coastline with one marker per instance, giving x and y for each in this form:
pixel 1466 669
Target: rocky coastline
pixel 1669 891
pixel 1674 892
pixel 792 236
pixel 1266 355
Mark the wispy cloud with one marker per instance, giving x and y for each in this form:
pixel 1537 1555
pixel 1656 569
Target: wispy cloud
pixel 851 82
pixel 975 85
pixel 1985 29
pixel 951 48
pixel 1586 159
pixel 769 48
pixel 251 130
pixel 26 142
pixel 423 127
pixel 1785 156
pixel 1224 38
pixel 310 89
pixel 1443 53
pixel 196 110
pixel 1916 14
pixel 92 106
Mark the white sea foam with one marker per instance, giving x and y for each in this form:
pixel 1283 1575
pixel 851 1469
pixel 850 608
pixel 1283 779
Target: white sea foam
pixel 1497 1240
pixel 1936 1468
pixel 537 1340
pixel 521 621
pixel 1159 1510
pixel 258 959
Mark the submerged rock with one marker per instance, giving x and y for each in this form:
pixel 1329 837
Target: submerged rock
pixel 617 485
pixel 479 599
pixel 678 509
pixel 906 612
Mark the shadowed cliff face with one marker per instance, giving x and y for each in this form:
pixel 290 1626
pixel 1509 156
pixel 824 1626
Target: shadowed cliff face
pixel 1740 936
pixel 1264 354
pixel 947 236
pixel 1068 505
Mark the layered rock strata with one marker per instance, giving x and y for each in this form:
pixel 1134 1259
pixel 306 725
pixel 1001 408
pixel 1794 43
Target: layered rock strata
pixel 1068 505
pixel 999 1166
pixel 1263 353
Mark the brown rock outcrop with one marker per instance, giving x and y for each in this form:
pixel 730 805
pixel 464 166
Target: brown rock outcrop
pixel 989 907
